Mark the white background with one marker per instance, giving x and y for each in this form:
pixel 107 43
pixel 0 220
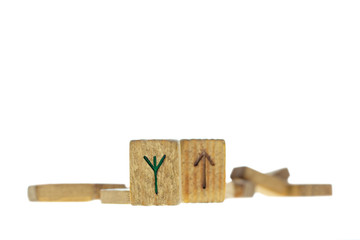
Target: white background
pixel 278 80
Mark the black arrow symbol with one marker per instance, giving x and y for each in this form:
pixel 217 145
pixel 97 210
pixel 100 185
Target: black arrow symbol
pixel 207 156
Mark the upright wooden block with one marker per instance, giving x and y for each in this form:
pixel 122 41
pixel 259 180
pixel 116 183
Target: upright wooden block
pixel 203 170
pixel 154 172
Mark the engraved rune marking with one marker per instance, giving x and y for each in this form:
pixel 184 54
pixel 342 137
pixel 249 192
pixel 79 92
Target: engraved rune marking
pixel 204 154
pixel 155 168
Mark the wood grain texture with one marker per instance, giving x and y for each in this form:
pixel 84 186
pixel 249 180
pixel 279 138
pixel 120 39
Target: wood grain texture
pixel 310 190
pixel 192 177
pixel 274 186
pixel 240 188
pixel 68 192
pixel 244 188
pixel 282 174
pixel 115 196
pixel 142 176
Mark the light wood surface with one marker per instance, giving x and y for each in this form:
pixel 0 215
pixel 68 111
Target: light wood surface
pixel 282 174
pixel 203 170
pixel 274 186
pixel 240 188
pixel 68 192
pixel 244 188
pixel 142 176
pixel 115 196
pixel 310 190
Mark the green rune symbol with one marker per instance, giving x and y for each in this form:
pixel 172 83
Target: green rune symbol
pixel 155 168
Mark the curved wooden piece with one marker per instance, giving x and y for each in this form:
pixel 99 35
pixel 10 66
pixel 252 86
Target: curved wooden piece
pixel 274 186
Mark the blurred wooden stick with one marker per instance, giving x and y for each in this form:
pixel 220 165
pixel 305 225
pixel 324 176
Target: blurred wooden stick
pixel 274 186
pixel 282 174
pixel 309 190
pixel 244 188
pixel 68 192
pixel 239 188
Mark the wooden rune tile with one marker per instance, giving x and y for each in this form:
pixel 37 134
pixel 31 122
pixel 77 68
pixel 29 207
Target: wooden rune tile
pixel 154 172
pixel 203 170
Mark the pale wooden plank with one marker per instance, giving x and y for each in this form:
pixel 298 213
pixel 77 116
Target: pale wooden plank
pixel 68 192
pixel 310 190
pixel 115 196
